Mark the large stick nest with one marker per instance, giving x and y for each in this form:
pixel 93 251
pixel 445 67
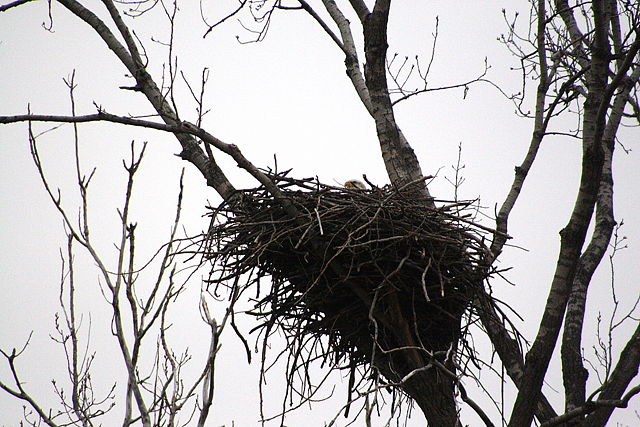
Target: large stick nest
pixel 371 270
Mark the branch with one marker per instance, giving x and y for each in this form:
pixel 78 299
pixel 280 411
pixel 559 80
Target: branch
pixel 351 54
pixel 19 391
pixel 463 392
pixel 399 158
pixel 208 380
pixel 626 370
pixel 101 116
pixel 183 128
pixel 508 349
pixel 145 84
pixel 211 27
pixel 324 26
pixel 127 235
pixel 126 35
pixel 575 376
pixel 361 8
pixel 615 83
pixel 433 89
pixel 16 3
pixel 539 128
pixel 572 237
pixel 592 406
pixel 577 38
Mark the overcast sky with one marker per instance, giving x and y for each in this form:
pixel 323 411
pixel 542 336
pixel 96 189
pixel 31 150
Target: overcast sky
pixel 286 96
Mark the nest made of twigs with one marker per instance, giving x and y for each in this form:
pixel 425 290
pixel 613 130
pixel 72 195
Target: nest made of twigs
pixel 371 270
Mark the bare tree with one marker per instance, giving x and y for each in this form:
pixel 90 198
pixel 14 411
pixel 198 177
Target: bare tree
pixel 575 66
pixel 583 59
pixel 157 392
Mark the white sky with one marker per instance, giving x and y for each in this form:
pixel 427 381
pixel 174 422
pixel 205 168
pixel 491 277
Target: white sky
pixel 287 95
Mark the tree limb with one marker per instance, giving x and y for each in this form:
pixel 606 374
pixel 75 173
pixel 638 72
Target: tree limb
pixel 591 407
pixel 626 370
pixel 574 373
pixel 573 235
pixel 16 3
pixel 145 84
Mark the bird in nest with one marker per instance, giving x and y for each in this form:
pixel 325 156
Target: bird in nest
pixel 355 184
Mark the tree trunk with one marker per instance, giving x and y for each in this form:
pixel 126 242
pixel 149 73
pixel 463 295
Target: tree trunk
pixel 399 158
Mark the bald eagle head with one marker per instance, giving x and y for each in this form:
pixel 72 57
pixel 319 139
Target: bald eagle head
pixel 355 184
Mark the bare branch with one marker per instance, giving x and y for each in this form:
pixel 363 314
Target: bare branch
pixel 235 12
pixel 575 375
pixel 16 3
pixel 184 128
pixel 361 9
pixel 592 406
pixel 324 26
pixel 574 234
pixel 351 54
pixel 624 372
pixel 145 84
pixel 19 390
pixel 539 128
